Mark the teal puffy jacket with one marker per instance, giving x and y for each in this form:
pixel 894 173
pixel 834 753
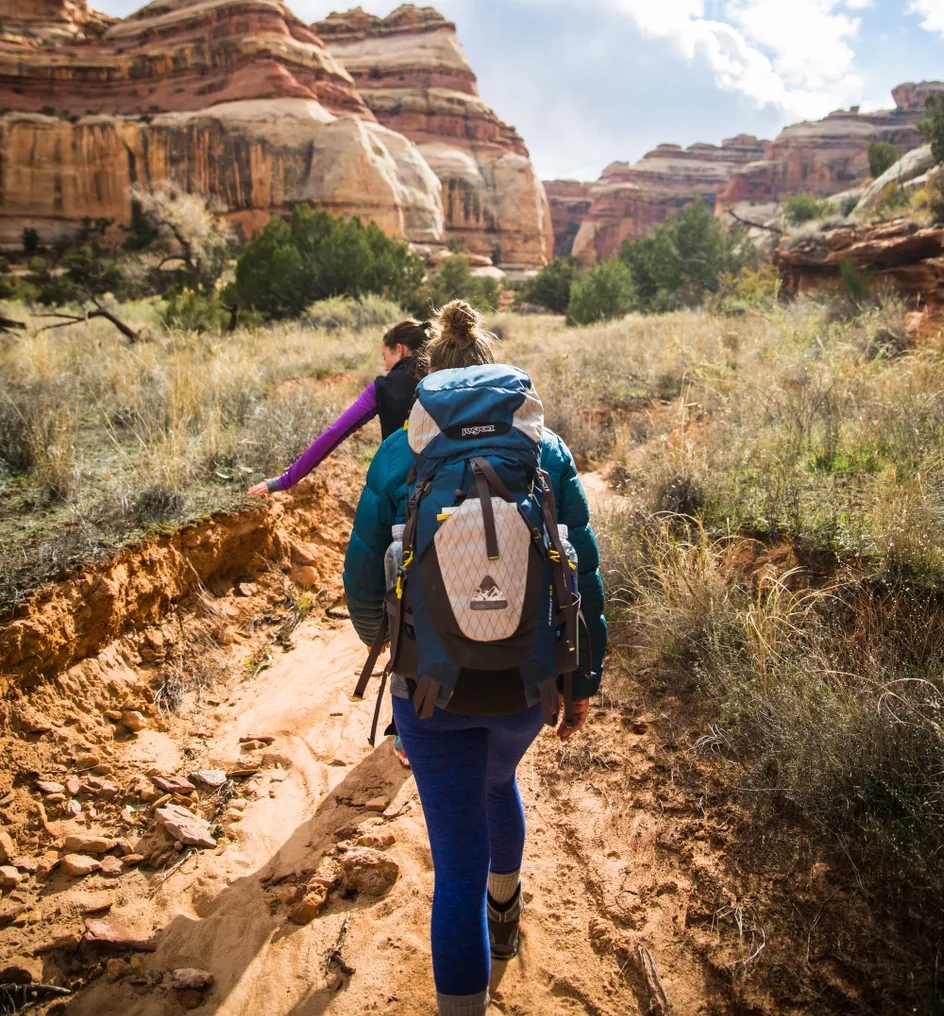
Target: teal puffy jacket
pixel 383 505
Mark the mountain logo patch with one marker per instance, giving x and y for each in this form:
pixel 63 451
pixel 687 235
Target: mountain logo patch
pixel 488 596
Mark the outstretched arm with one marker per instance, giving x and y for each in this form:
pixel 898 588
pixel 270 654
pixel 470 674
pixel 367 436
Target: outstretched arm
pixel 352 419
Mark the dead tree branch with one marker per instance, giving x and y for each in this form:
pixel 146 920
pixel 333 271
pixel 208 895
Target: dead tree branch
pixel 754 225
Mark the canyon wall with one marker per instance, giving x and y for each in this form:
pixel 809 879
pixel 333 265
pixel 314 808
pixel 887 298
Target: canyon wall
pixel 237 99
pixel 411 71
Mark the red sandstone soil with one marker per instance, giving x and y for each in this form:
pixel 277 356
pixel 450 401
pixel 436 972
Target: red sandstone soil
pixel 633 905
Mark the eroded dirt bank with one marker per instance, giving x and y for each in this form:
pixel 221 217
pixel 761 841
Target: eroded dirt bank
pixel 643 895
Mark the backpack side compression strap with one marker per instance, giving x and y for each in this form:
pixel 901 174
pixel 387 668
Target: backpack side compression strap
pixel 565 597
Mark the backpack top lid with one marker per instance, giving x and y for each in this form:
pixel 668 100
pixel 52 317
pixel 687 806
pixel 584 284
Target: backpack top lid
pixel 458 412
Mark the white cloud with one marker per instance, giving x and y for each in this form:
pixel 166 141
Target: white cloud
pixel 796 55
pixel 932 11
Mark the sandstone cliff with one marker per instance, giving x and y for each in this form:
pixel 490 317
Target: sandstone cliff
pixel 821 157
pixel 569 201
pixel 413 74
pixel 630 200
pixel 234 98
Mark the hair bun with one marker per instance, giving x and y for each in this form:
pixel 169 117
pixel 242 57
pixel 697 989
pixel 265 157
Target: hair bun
pixel 459 324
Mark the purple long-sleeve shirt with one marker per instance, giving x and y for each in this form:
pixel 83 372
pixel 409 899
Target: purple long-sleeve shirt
pixel 352 419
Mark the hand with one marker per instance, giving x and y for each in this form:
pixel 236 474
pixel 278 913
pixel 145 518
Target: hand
pixel 260 490
pixel 581 711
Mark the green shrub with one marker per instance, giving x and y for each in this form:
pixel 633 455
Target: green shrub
pixel 685 259
pixel 287 267
pixel 31 244
pixel 603 292
pixel 194 311
pixel 751 289
pixel 551 286
pixel 803 208
pixel 882 156
pixel 340 312
pixel 270 273
pixel 455 281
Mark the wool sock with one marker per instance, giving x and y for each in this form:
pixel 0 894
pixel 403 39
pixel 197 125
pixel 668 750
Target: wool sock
pixel 502 887
pixel 463 1005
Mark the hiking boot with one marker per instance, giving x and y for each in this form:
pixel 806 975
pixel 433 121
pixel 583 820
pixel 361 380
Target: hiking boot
pixel 503 921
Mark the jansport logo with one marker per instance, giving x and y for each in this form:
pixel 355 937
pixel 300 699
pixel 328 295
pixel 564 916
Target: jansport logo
pixel 488 596
pixel 484 428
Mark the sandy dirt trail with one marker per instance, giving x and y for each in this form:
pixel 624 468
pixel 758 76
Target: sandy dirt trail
pixel 599 882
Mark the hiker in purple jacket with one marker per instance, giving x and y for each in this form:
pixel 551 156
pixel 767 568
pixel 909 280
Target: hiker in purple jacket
pixel 389 396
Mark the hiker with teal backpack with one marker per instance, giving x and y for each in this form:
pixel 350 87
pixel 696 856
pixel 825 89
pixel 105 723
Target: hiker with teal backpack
pixel 495 624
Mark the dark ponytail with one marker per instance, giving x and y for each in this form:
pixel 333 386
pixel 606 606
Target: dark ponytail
pixel 410 333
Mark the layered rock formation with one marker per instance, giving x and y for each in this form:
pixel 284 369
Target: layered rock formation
pixel 908 259
pixel 822 157
pixel 413 74
pixel 234 98
pixel 570 202
pixel 52 19
pixel 630 200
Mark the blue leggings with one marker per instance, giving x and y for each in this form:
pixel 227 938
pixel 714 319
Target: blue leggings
pixel 465 772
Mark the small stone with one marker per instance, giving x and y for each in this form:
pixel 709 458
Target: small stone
pixel 89 902
pixel 239 803
pixel 30 865
pixel 369 871
pixel 131 859
pixel 78 865
pixel 111 932
pixel 23 971
pixel 310 906
pixel 173 784
pixel 305 575
pixel 245 589
pixel 183 825
pixel 378 804
pixel 73 785
pixel 266 739
pixel 113 714
pixel 179 846
pixel 78 844
pixel 376 841
pixel 246 747
pixel 134 721
pixel 112 866
pixel 10 911
pixel 10 878
pixel 212 778
pixel 340 763
pixel 192 979
pixel 115 969
pixel 7 847
pixel 232 815
pixel 55 798
pixel 49 787
pixel 190 999
pixel 73 807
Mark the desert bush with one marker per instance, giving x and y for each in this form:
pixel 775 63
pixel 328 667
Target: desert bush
pixel 551 287
pixel 343 312
pixel 882 156
pixel 804 208
pixel 287 267
pixel 31 243
pixel 684 259
pixel 192 311
pixel 605 291
pixel 454 281
pixel 751 289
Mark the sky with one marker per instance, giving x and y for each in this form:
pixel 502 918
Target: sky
pixel 594 81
